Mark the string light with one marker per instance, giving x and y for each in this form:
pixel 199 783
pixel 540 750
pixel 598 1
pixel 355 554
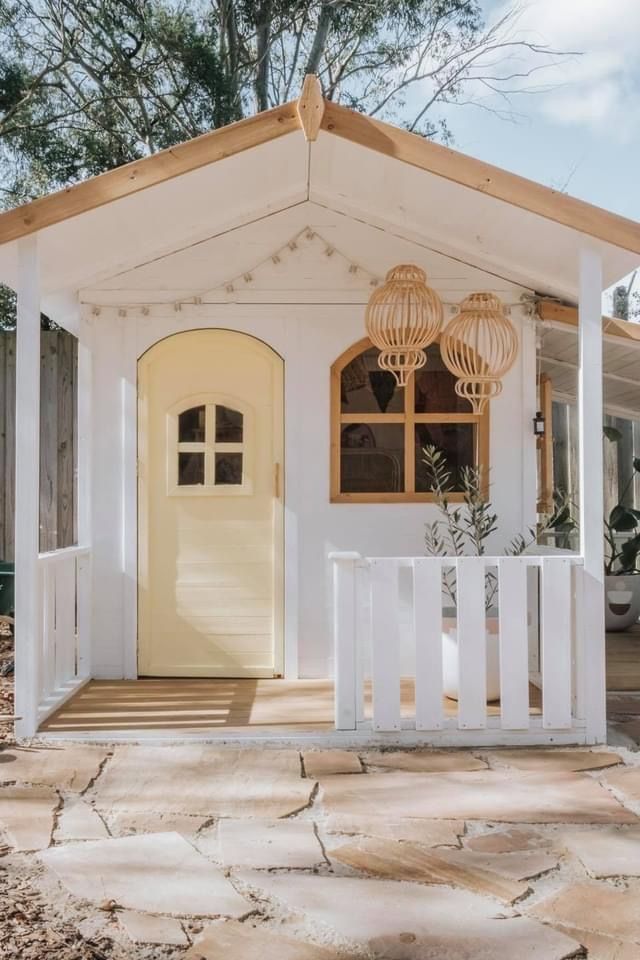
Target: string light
pixel 247 277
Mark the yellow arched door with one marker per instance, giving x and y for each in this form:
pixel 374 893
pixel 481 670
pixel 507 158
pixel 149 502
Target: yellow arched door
pixel 210 547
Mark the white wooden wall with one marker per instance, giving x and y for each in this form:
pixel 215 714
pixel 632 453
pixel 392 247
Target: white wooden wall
pixel 309 337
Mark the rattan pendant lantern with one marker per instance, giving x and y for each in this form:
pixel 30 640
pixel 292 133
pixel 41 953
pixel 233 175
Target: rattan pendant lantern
pixel 479 346
pixel 402 318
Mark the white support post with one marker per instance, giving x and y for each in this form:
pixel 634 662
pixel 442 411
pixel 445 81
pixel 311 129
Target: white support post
pixel 591 491
pixel 27 512
pixel 85 433
pixel 344 638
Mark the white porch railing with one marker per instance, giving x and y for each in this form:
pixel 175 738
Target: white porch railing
pixel 390 610
pixel 63 648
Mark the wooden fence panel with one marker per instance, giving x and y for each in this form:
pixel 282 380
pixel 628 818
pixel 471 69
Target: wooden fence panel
pixel 58 385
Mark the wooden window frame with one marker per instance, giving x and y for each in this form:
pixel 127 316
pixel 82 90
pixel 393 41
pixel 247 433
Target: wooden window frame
pixel 209 447
pixel 409 418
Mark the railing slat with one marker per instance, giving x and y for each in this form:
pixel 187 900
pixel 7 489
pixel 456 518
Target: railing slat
pixel 48 645
pixel 472 644
pixel 427 629
pixel 65 620
pixel 385 652
pixel 363 634
pixel 344 635
pixel 556 604
pixel 514 652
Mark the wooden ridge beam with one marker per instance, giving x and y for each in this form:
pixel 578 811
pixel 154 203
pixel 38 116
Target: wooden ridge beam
pixel 554 312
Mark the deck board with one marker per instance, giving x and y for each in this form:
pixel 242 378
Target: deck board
pixel 279 706
pixel 623 660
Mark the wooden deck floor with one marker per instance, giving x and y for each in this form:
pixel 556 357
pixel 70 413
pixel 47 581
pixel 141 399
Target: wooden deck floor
pixel 623 660
pixel 280 707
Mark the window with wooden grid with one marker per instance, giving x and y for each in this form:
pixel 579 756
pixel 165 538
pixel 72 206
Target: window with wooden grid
pixel 379 430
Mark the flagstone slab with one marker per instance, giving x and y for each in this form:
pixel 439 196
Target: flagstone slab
pixel 268 844
pixel 27 816
pixel 600 947
pixel 124 824
pixel 409 921
pixel 203 780
pixel 145 928
pixel 597 907
pixel 158 873
pixel 320 763
pixel 424 761
pixel 553 758
pixel 226 940
pixel 506 841
pixel 392 860
pixel 627 781
pixel 79 821
pixel 510 797
pixel 607 852
pixel 67 768
pixel 517 865
pixel 430 833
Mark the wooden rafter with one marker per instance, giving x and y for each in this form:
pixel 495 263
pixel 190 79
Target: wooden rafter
pixel 554 312
pixel 149 172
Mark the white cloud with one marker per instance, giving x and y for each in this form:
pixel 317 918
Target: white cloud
pixel 600 88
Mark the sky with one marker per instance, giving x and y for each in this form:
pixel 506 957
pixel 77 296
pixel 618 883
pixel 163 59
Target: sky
pixel 581 130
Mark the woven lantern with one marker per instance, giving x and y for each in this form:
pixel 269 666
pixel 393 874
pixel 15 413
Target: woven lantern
pixel 479 346
pixel 402 318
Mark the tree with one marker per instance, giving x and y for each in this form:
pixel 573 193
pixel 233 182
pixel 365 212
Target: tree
pixel 86 85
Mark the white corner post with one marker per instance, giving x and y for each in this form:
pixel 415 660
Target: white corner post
pixel 85 433
pixel 591 646
pixel 27 508
pixel 344 638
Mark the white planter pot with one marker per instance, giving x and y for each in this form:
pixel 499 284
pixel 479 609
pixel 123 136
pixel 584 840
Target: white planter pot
pixel 450 661
pixel 621 602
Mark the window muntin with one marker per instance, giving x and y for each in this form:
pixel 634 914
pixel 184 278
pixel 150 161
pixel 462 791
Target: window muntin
pixel 379 429
pixel 208 452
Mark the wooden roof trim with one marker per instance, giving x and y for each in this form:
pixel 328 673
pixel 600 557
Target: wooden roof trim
pixel 148 172
pixel 311 106
pixel 483 177
pixel 555 312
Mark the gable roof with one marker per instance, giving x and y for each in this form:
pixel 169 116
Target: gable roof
pixel 310 114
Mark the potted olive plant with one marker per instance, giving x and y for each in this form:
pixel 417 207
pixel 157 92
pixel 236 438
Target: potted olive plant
pixel 463 529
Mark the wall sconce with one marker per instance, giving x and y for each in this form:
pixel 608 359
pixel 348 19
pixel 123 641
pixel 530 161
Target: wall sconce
pixel 539 424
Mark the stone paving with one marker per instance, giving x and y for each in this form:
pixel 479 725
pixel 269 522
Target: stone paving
pixel 201 852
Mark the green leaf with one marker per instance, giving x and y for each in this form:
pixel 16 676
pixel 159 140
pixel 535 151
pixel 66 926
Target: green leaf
pixel 636 464
pixel 622 519
pixel 612 434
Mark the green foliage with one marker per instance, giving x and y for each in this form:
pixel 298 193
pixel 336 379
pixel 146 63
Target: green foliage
pixel 464 530
pixel 86 85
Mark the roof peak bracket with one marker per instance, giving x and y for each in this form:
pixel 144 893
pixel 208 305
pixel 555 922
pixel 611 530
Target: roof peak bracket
pixel 311 107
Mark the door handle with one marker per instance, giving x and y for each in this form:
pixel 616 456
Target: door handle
pixel 276 481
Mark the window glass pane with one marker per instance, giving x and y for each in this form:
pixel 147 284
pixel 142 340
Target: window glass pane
pixel 457 442
pixel 191 425
pixel 190 469
pixel 372 458
pixel 435 387
pixel 228 425
pixel 228 468
pixel 365 388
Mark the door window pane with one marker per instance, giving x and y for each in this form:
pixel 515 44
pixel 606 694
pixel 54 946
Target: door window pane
pixel 365 388
pixel 457 442
pixel 372 458
pixel 190 469
pixel 228 425
pixel 435 387
pixel 191 425
pixel 228 468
